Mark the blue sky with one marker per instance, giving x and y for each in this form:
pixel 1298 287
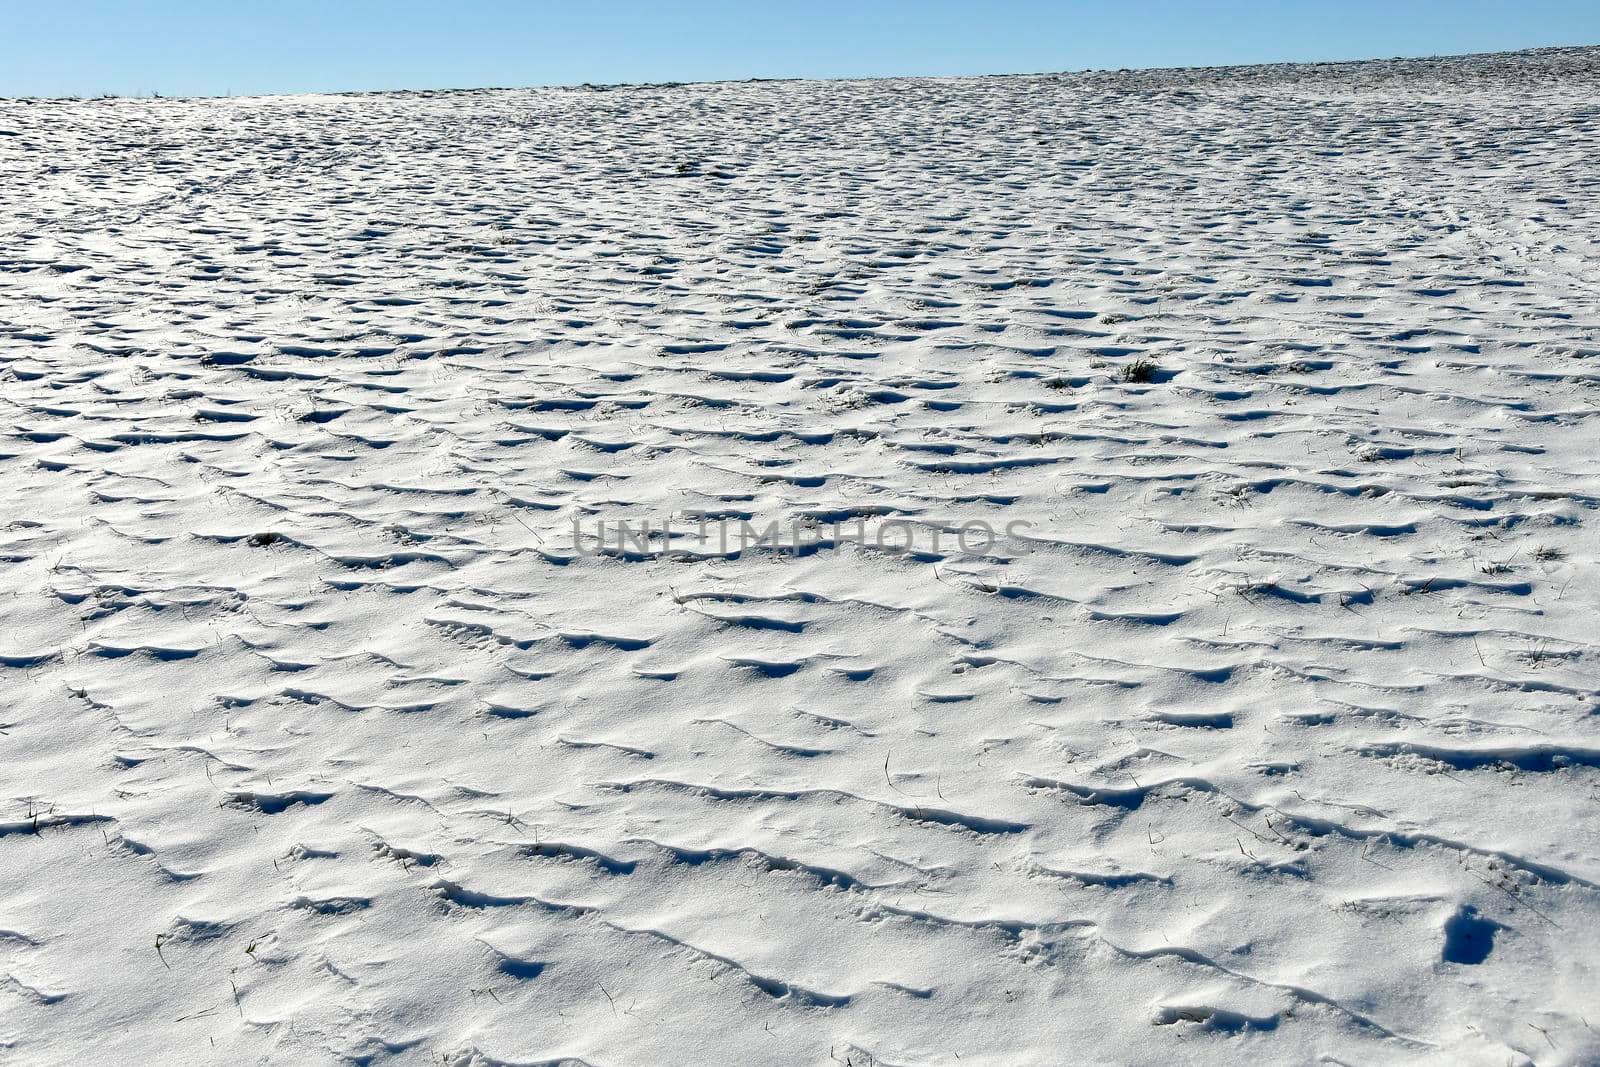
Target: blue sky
pixel 181 47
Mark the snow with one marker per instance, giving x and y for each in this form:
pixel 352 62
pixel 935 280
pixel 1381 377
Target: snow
pixel 1270 733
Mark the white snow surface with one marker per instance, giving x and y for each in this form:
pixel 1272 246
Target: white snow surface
pixel 1272 736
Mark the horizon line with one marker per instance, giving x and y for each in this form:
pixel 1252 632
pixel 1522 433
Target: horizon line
pixel 757 79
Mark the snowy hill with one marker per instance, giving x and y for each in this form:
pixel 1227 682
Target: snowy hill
pixel 1118 588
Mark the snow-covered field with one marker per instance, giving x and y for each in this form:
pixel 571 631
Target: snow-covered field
pixel 1269 731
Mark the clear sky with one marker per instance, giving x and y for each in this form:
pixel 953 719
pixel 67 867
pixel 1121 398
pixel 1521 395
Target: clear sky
pixel 186 47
